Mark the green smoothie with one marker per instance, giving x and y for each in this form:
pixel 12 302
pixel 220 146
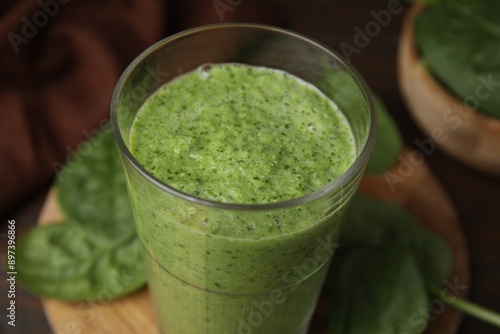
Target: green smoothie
pixel 232 133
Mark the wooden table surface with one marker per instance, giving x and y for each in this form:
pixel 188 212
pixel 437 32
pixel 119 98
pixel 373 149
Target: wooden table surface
pixel 475 195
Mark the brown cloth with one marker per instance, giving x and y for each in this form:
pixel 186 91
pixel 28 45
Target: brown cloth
pixel 59 63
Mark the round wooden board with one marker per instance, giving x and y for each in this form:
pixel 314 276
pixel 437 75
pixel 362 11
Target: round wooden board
pixel 416 189
pixel 131 314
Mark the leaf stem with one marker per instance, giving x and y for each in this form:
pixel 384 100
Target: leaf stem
pixel 465 306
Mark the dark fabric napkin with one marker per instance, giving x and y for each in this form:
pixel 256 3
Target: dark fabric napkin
pixel 59 63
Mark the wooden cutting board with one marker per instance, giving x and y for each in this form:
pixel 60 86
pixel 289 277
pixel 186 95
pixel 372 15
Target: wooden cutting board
pixel 416 189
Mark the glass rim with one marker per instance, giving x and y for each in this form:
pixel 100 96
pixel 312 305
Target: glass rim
pixel 338 183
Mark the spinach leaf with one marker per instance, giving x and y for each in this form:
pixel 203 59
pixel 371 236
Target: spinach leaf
pixel 388 143
pixel 344 91
pixel 376 290
pixel 379 273
pixel 93 191
pixel 460 44
pixel 65 261
pixel 95 254
pixel 370 222
pixel 340 86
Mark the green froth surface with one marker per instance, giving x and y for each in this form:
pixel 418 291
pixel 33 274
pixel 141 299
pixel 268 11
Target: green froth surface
pixel 240 134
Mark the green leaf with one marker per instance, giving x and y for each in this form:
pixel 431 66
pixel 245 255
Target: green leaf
pixel 341 87
pixel 65 261
pixel 382 248
pixel 460 44
pixel 377 290
pixel 370 222
pixel 427 2
pixel 388 144
pixel 92 190
pixel 95 255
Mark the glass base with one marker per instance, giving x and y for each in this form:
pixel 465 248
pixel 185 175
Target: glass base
pixel 184 309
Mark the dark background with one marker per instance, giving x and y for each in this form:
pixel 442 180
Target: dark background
pixel 475 195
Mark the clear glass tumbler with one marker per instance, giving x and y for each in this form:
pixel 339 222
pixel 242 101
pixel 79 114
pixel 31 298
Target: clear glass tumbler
pixel 207 281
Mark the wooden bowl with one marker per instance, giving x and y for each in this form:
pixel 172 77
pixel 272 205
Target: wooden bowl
pixel 468 135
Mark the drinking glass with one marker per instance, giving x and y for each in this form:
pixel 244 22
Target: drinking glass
pixel 204 280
